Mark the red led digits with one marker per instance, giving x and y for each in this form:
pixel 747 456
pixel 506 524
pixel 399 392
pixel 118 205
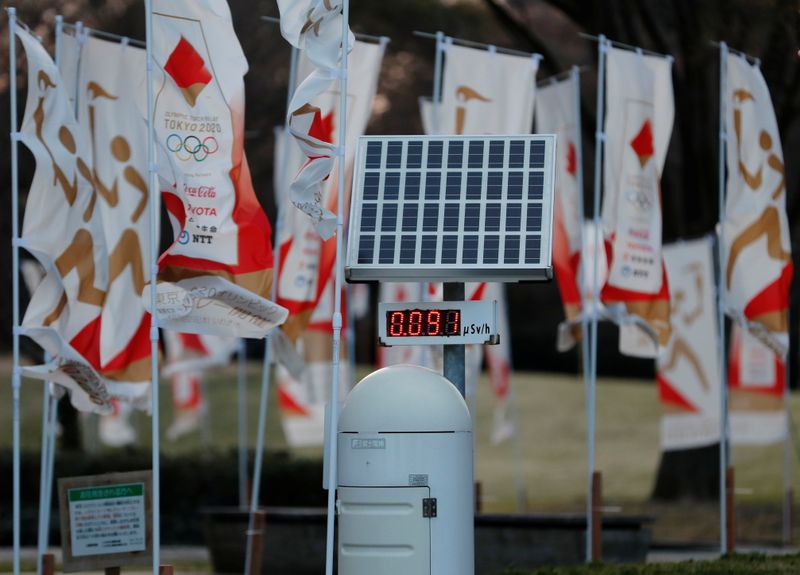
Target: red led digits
pixel 452 322
pixel 422 323
pixel 434 322
pixel 396 323
pixel 415 323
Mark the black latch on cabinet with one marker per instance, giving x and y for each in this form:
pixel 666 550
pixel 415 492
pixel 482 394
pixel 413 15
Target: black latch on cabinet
pixel 429 507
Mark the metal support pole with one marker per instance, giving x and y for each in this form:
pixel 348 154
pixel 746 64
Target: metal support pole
pixel 265 370
pixel 51 461
pixel 723 407
pixel 575 75
pixel 153 216
pixel 597 516
pixel 787 459
pixel 455 355
pixel 591 385
pixel 241 380
pixel 44 512
pixel 350 334
pixel 437 84
pixel 16 377
pixel 337 296
pixel 253 534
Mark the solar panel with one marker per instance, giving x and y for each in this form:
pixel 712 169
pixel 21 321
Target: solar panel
pixel 452 208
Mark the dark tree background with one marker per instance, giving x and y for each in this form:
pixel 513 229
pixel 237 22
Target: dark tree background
pixel 767 29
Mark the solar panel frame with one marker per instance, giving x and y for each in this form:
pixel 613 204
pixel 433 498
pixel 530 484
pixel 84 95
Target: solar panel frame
pixel 452 208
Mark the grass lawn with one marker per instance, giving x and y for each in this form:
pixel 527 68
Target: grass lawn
pixel 751 564
pixel 551 469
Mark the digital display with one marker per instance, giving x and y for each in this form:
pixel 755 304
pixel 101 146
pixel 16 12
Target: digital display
pixel 423 322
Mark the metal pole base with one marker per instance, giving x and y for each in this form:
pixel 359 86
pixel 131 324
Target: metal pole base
pixel 730 510
pixel 597 516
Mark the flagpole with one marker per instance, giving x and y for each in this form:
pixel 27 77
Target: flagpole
pixel 437 82
pixel 586 353
pixel 51 456
pixel 575 76
pixel 16 375
pixel 787 458
pixel 337 297
pixel 48 407
pixel 241 386
pixel 723 415
pixel 591 387
pixel 265 368
pixel 40 550
pixel 154 206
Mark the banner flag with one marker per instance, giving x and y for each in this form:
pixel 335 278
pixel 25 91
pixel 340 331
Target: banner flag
pixel 191 352
pixel 302 400
pixel 484 92
pixel 63 230
pixel 556 114
pixel 115 429
pixel 215 278
pixel 109 83
pixel 756 380
pixel 758 270
pixel 302 418
pixel 640 113
pixel 306 260
pixel 188 356
pixel 688 371
pixel 498 362
pixel 315 28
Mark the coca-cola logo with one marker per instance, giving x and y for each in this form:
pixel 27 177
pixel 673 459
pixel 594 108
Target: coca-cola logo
pixel 200 191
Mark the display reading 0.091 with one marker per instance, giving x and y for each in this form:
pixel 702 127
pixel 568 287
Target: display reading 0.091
pixel 423 322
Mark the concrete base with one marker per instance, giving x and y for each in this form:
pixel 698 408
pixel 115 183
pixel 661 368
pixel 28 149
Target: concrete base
pixel 294 542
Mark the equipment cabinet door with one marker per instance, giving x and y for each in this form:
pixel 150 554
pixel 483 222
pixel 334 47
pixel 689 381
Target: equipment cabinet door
pixel 383 530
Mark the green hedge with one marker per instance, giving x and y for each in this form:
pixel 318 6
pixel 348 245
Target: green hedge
pixel 733 564
pixel 188 483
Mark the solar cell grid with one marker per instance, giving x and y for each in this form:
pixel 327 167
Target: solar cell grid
pixel 428 207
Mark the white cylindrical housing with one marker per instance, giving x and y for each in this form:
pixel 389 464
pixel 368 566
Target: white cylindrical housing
pixel 405 476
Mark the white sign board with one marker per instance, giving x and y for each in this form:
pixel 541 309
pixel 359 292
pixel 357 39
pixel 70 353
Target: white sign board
pixel 105 520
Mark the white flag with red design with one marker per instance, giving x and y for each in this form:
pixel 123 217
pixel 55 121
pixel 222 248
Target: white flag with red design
pixel 556 114
pixel 109 80
pixel 306 260
pixel 688 370
pixel 302 400
pixel 62 228
pixel 498 360
pixel 315 27
pixel 484 92
pixel 756 384
pixel 189 355
pixel 758 269
pixel 216 276
pixel 640 113
pixel 192 352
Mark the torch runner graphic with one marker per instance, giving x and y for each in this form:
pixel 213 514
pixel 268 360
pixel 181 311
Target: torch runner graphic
pixel 464 94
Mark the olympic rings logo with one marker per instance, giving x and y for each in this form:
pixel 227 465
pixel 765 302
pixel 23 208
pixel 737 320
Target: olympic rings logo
pixel 192 147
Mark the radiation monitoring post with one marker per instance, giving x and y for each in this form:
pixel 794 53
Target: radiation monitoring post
pixel 450 209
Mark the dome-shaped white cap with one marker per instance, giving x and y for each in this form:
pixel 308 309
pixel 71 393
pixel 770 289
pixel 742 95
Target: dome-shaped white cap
pixel 404 398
